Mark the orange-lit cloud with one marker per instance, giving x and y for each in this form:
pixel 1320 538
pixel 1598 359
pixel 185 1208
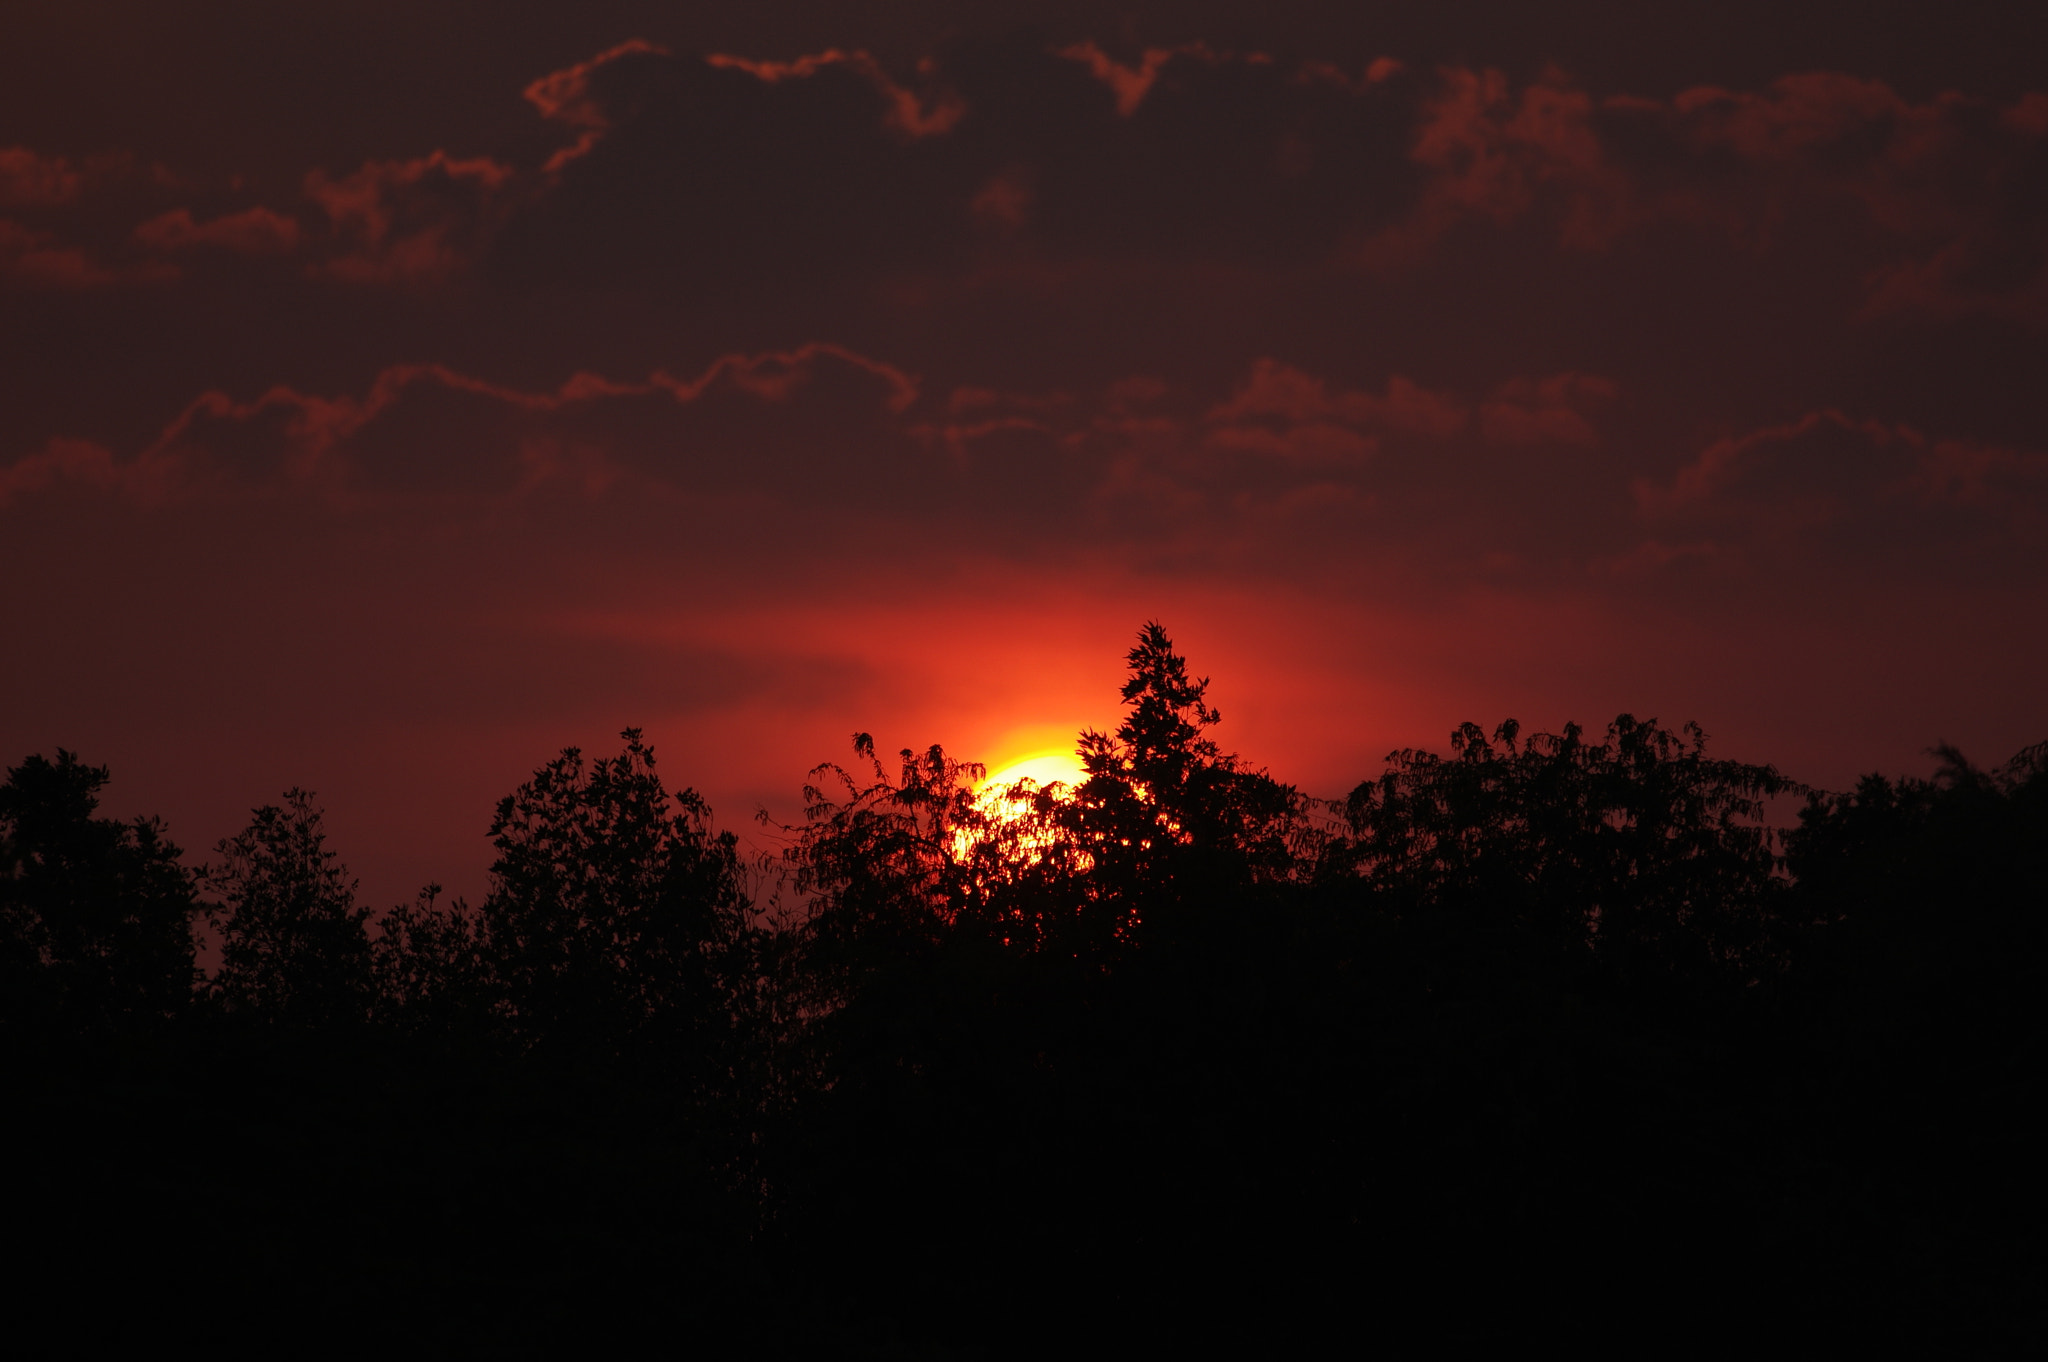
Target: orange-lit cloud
pixel 1985 272
pixel 1768 465
pixel 1004 200
pixel 28 178
pixel 254 231
pixel 2028 116
pixel 1278 390
pixel 1526 411
pixel 1130 84
pixel 1931 180
pixel 1857 486
pixel 38 259
pixel 1803 114
pixel 565 96
pixel 1377 72
pixel 407 220
pixel 1496 155
pixel 1312 445
pixel 309 426
pixel 907 112
pixel 58 462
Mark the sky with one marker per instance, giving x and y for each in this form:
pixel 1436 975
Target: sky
pixel 398 394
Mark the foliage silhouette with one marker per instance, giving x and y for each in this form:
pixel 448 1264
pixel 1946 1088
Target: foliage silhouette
pixel 615 911
pixel 294 945
pixel 879 863
pixel 94 914
pixel 1165 813
pixel 429 965
pixel 1640 847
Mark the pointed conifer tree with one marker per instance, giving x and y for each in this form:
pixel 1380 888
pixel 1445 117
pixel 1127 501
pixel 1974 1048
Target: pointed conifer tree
pixel 1165 814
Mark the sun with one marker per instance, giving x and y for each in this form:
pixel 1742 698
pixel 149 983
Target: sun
pixel 992 796
pixel 1040 768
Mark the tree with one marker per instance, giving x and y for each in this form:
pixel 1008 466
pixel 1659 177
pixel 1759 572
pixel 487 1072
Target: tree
pixel 294 947
pixel 95 915
pixel 1639 847
pixel 881 861
pixel 1165 813
pixel 892 865
pixel 428 962
pixel 1917 875
pixel 614 909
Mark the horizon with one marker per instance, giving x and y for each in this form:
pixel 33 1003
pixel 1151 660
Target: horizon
pixel 399 401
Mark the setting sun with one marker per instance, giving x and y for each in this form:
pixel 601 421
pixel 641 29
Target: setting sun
pixel 1007 781
pixel 1040 768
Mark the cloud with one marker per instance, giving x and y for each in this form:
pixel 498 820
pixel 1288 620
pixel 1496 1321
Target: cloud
pixel 1944 186
pixel 696 179
pixel 775 374
pixel 1986 271
pixel 970 398
pixel 1004 200
pixel 1130 84
pixel 254 231
pixel 689 174
pixel 1277 390
pixel 1831 488
pixel 1316 444
pixel 35 258
pixel 1492 154
pixel 908 113
pixel 27 178
pixel 1527 411
pixel 59 461
pixel 1377 72
pixel 411 220
pixel 1814 463
pixel 1798 115
pixel 2029 116
pixel 288 435
pixel 565 96
pixel 1941 219
pixel 957 437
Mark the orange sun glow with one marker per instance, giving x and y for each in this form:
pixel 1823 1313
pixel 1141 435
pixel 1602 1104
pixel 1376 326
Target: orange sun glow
pixel 1003 796
pixel 1040 768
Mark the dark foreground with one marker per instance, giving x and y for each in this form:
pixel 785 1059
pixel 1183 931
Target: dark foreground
pixel 1547 1040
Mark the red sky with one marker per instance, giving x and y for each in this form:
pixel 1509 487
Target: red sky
pixel 393 398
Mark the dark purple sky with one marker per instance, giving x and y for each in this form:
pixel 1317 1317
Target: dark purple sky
pixel 396 394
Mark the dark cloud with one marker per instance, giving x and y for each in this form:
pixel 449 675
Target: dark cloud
pixel 253 231
pixel 29 178
pixel 1830 493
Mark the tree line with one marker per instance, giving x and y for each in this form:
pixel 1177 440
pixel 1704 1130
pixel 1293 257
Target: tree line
pixel 1550 1033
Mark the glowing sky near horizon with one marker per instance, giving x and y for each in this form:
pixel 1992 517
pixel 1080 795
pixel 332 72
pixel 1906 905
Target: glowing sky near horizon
pixel 396 396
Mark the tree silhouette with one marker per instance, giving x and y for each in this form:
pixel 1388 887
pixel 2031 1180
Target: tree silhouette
pixel 880 862
pixel 1165 813
pixel 1176 1055
pixel 429 964
pixel 294 945
pixel 95 915
pixel 614 907
pixel 1639 847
